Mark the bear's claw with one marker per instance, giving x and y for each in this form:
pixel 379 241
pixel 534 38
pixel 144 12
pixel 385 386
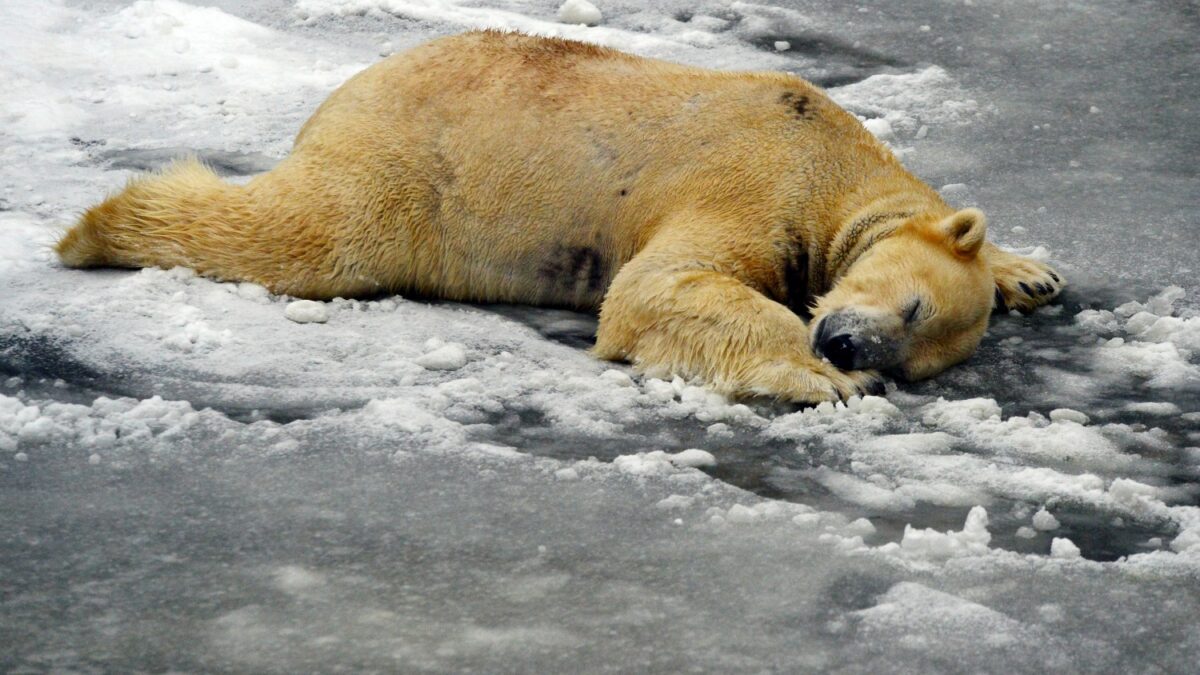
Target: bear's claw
pixel 1022 283
pixel 837 385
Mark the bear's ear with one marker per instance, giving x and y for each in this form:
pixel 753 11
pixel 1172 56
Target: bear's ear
pixel 964 232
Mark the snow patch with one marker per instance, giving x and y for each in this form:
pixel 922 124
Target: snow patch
pixel 906 102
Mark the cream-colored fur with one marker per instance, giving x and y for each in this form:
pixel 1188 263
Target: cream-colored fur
pixel 695 209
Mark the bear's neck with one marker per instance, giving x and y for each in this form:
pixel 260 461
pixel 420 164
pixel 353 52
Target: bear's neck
pixel 864 221
pixel 857 235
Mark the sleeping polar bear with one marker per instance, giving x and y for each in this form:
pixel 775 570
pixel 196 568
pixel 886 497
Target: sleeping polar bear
pixel 702 212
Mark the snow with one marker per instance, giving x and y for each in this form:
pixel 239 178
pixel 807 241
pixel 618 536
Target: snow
pixel 416 486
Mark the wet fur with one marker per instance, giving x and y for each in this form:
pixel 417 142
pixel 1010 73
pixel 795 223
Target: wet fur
pixel 691 207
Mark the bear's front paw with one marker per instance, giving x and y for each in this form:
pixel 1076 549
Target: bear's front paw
pixel 824 382
pixel 1024 284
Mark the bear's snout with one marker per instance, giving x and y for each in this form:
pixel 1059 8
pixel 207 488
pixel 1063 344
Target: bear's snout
pixel 840 350
pixel 852 340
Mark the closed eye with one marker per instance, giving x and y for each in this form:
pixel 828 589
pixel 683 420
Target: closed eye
pixel 913 312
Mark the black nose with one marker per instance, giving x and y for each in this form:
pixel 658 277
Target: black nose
pixel 840 350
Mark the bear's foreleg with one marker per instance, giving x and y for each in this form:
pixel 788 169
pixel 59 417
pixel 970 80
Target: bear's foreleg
pixel 675 316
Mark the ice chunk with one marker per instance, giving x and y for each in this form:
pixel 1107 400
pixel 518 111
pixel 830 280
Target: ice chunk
pixel 307 311
pixel 1063 548
pixel 617 377
pixel 659 462
pixel 1161 408
pixel 1068 415
pixel 861 527
pixel 693 457
pixel 960 415
pixel 741 514
pixel 880 128
pixel 579 11
pixel 448 357
pixel 859 491
pixel 1187 540
pixel 955 192
pixel 929 544
pixel 924 623
pixel 675 502
pixel 254 292
pixel 1133 494
pixel 643 464
pixel 760 512
pixel 1044 520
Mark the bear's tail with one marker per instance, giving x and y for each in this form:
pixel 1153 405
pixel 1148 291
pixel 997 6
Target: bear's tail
pixel 187 216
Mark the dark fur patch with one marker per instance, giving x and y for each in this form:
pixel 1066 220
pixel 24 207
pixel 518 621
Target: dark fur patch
pixel 799 104
pixel 795 275
pixel 574 267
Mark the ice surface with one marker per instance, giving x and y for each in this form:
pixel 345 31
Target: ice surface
pixel 191 481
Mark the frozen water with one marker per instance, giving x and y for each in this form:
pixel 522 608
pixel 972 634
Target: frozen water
pixel 191 481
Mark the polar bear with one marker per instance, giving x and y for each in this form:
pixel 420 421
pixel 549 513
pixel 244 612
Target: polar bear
pixel 705 214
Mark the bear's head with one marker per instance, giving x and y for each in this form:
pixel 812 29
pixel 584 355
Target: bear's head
pixel 916 302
